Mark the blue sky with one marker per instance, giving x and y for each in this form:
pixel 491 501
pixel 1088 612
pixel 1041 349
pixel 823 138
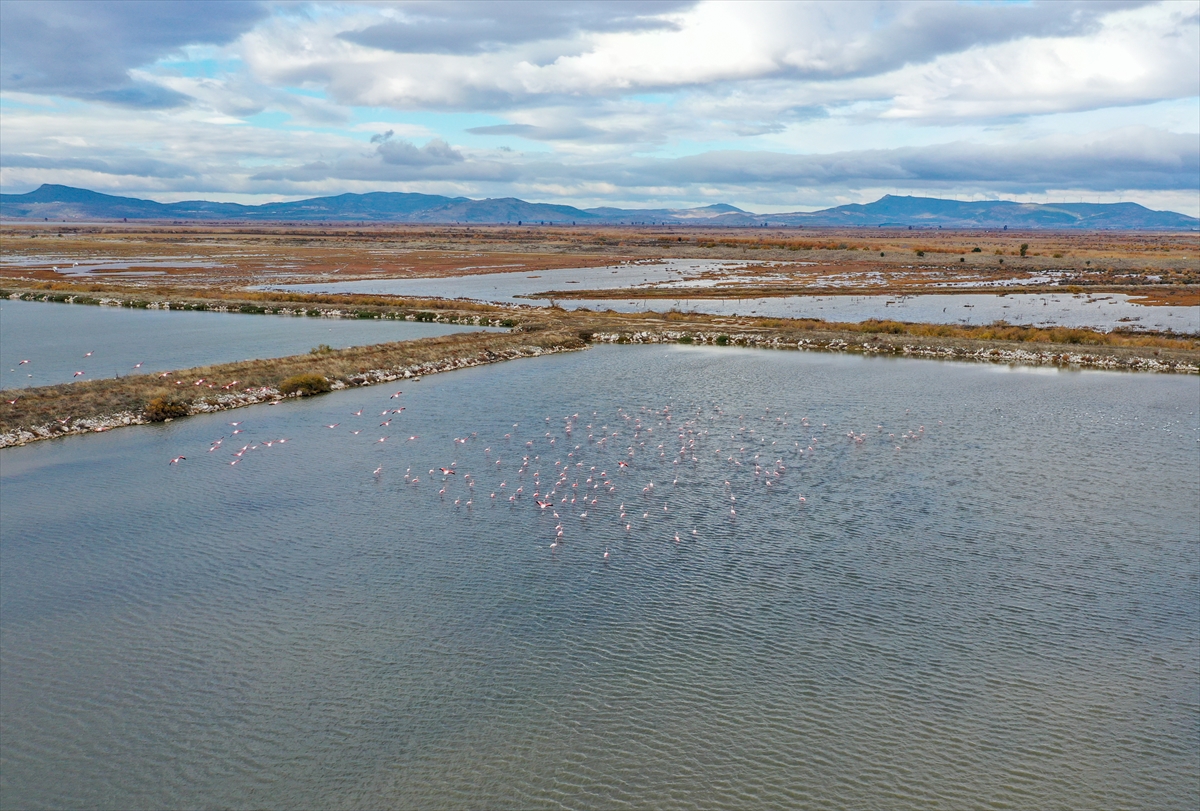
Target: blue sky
pixel 770 106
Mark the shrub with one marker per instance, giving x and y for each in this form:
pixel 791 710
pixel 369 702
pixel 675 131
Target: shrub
pixel 920 253
pixel 1024 248
pixel 977 250
pixel 321 349
pixel 425 316
pixel 685 339
pixel 508 322
pixel 251 309
pixel 722 340
pixel 162 408
pixel 305 385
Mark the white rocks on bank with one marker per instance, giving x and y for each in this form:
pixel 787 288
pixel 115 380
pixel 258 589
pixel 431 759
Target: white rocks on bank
pixel 1083 360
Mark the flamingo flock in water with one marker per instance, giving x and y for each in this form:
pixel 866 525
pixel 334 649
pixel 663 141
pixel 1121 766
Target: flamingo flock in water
pixel 661 462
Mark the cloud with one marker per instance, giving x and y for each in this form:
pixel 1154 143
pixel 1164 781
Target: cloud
pixel 501 55
pixel 471 27
pixel 403 153
pixel 618 103
pixel 137 166
pixel 561 131
pixel 85 50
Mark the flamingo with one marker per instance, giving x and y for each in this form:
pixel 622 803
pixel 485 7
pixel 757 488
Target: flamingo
pixel 77 374
pixel 335 425
pixel 606 553
pixel 378 470
pixel 22 363
pixel 177 460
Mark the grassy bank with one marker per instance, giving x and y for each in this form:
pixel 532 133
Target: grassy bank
pixel 94 405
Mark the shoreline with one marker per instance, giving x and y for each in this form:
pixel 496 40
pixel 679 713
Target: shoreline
pixel 456 352
pixel 101 405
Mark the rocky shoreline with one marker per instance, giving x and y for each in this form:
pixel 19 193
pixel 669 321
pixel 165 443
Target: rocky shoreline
pixel 986 354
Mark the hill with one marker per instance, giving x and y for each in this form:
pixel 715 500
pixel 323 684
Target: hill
pixel 66 203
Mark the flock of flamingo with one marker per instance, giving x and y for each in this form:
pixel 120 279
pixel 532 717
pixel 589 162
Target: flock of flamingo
pixel 644 473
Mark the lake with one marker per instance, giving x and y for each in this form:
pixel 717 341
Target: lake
pixel 56 339
pixel 839 582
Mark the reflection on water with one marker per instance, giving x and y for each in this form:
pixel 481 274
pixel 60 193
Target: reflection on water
pixel 1101 311
pixel 988 597
pixel 59 340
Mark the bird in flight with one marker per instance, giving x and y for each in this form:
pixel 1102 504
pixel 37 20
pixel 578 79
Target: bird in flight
pixel 177 460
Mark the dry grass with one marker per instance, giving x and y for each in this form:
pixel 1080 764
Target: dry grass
pixel 222 256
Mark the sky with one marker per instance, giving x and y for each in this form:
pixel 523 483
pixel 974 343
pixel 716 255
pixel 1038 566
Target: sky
pixel 769 106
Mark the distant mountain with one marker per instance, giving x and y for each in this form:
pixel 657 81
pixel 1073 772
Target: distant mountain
pixel 925 212
pixel 50 202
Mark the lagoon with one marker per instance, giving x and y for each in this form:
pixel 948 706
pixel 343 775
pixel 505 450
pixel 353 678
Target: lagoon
pixel 989 596
pixel 1102 311
pixel 56 339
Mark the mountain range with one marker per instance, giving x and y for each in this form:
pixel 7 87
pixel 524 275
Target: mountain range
pixel 66 203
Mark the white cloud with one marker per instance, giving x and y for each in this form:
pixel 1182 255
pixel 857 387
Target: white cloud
pixel 780 103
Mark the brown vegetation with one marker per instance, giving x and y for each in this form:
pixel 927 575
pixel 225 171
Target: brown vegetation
pixel 829 261
pixel 305 384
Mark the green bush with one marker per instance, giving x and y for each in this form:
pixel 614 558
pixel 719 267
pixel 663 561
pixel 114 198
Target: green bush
pixel 425 316
pixel 321 349
pixel 251 309
pixel 305 385
pixel 685 339
pixel 722 340
pixel 162 408
pixel 977 250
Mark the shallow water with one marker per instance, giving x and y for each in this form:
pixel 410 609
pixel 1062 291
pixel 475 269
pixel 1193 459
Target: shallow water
pixel 1104 311
pixel 1002 609
pixel 55 338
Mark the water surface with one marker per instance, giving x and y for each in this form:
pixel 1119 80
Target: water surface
pixel 56 339
pixel 989 596
pixel 1105 311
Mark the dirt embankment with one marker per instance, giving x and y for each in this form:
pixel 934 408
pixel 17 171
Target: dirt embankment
pixel 99 405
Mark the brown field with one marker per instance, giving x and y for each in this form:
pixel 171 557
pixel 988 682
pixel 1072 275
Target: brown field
pixel 1158 268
